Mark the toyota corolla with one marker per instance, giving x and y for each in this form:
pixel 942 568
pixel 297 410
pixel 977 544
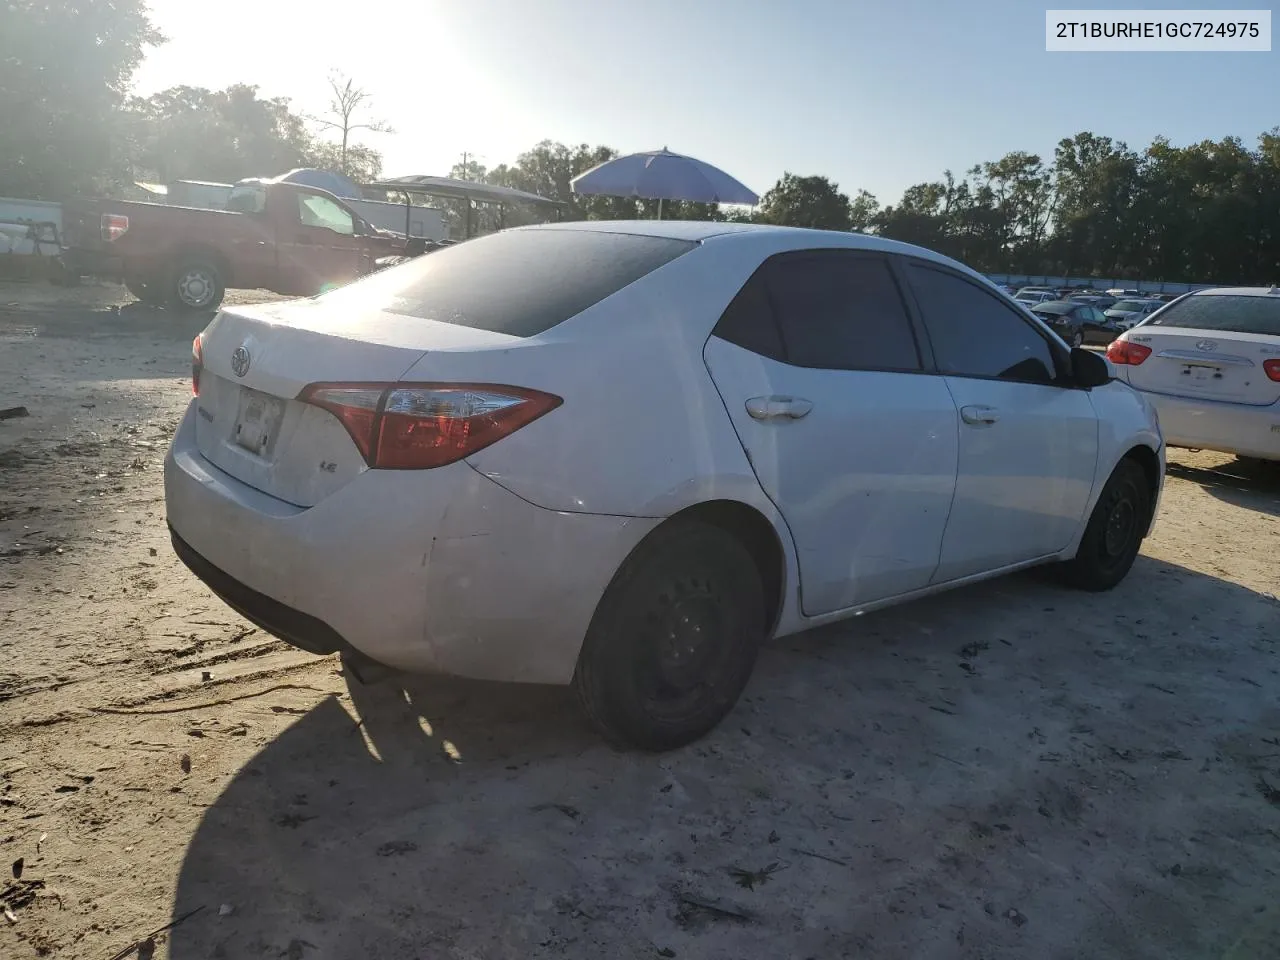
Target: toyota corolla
pixel 620 456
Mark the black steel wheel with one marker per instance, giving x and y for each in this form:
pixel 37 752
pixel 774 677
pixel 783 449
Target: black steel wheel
pixel 1114 534
pixel 674 638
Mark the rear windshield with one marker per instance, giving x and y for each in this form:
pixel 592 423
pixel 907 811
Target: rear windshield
pixel 1054 308
pixel 1232 314
pixel 1130 306
pixel 518 282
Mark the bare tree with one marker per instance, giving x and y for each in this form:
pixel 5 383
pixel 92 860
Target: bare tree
pixel 346 102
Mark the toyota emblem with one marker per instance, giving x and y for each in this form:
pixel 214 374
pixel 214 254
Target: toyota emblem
pixel 240 361
pixel 1207 345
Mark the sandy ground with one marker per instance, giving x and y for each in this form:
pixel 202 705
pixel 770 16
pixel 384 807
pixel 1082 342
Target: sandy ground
pixel 1008 771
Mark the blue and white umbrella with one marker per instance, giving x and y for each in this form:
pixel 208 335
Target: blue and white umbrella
pixel 662 175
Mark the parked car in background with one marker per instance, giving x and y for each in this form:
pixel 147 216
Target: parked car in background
pixel 1099 300
pixel 1036 290
pixel 1210 364
pixel 1121 293
pixel 1076 323
pixel 449 466
pixel 1127 314
pixel 1031 297
pixel 284 237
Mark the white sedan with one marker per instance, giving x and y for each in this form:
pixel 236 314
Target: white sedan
pixel 621 455
pixel 1209 363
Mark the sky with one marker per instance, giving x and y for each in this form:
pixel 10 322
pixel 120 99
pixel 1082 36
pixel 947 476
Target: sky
pixel 875 95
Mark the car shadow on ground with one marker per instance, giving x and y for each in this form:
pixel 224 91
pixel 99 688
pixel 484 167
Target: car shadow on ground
pixel 865 766
pixel 1251 484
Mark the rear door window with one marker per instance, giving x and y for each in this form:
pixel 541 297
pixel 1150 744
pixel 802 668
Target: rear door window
pixel 517 282
pixel 749 322
pixel 839 310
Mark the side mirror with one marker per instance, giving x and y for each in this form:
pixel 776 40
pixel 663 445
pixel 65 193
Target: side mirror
pixel 1089 369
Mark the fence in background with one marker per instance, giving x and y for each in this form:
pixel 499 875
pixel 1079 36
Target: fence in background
pixel 1016 280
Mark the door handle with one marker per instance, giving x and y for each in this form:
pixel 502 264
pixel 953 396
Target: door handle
pixel 778 408
pixel 979 416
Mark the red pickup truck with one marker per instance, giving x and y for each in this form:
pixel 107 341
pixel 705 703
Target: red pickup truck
pixel 284 237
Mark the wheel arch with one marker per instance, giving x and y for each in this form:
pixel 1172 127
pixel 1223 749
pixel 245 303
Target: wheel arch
pixel 202 251
pixel 761 538
pixel 1149 461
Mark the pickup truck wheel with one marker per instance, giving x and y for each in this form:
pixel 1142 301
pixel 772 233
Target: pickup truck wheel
pixel 196 285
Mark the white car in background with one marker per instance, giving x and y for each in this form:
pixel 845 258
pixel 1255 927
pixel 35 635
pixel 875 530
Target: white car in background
pixel 1127 314
pixel 622 455
pixel 1209 363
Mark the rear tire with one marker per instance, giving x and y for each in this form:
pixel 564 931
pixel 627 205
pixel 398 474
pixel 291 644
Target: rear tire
pixel 1077 339
pixel 1114 534
pixel 196 285
pixel 674 638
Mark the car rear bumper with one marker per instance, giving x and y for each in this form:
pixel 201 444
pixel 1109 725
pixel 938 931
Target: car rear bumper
pixel 292 626
pixel 440 571
pixel 1237 428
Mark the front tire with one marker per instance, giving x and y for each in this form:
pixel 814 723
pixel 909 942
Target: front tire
pixel 674 638
pixel 1077 339
pixel 196 285
pixel 1114 534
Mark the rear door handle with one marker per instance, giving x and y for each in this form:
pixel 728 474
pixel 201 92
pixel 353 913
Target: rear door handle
pixel 778 408
pixel 979 416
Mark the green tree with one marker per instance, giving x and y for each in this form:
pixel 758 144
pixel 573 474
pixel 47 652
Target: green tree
pixel 192 133
pixel 1097 182
pixel 813 202
pixel 863 211
pixel 64 70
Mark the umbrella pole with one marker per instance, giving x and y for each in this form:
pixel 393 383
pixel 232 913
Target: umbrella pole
pixel 659 208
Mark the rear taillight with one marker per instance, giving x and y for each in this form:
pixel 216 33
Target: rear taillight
pixel 197 365
pixel 1126 352
pixel 114 226
pixel 1272 367
pixel 416 426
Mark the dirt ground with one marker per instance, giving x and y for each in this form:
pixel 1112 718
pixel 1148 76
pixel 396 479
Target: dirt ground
pixel 1008 771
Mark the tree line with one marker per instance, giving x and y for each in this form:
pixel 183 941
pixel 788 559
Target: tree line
pixel 1206 212
pixel 68 124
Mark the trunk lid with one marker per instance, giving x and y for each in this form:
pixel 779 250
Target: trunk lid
pixel 258 359
pixel 1208 364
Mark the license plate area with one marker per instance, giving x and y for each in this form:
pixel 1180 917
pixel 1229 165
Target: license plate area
pixel 1202 373
pixel 258 422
